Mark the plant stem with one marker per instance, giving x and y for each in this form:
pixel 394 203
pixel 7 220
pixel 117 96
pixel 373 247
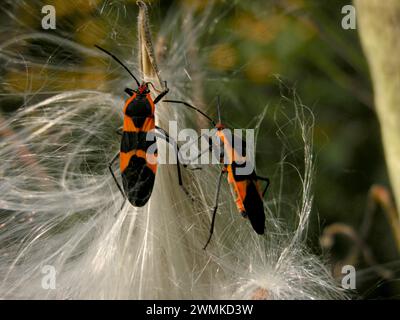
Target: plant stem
pixel 379 29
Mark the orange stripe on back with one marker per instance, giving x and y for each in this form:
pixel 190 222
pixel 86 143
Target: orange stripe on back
pixel 239 187
pixel 125 157
pixel 129 125
pixel 148 125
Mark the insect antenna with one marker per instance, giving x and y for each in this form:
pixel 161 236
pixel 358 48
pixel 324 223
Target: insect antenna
pixel 119 61
pixel 192 107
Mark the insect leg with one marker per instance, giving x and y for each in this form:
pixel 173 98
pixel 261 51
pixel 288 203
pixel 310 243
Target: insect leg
pixel 119 131
pixel 267 181
pixel 176 148
pixel 130 92
pixel 215 207
pixel 162 94
pixel 123 203
pixel 112 173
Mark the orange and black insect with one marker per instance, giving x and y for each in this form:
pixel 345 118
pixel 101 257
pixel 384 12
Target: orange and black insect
pixel 138 131
pixel 249 198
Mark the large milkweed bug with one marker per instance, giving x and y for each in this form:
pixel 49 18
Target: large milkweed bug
pixel 138 174
pixel 249 198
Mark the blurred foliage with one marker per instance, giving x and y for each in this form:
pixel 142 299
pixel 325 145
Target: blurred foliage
pixel 251 43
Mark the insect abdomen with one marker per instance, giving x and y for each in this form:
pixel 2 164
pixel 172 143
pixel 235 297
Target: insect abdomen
pixel 249 201
pixel 138 181
pixel 254 207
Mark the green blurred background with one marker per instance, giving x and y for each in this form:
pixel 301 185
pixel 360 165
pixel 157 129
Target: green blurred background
pixel 253 53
